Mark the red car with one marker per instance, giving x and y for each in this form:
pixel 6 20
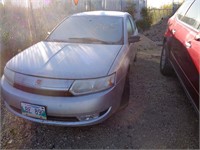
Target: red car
pixel 181 48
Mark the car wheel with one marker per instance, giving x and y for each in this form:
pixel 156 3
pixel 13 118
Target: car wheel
pixel 126 93
pixel 165 66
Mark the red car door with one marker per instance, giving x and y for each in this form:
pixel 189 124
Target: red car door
pixel 185 51
pixel 189 62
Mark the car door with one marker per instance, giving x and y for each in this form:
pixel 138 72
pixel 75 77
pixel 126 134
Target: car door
pixel 185 50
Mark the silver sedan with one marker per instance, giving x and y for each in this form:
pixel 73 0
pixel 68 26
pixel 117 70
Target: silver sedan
pixel 78 76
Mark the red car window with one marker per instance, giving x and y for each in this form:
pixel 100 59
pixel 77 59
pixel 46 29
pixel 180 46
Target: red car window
pixel 192 17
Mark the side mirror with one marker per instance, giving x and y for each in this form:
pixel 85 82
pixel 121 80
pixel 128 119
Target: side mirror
pixel 134 38
pixel 48 34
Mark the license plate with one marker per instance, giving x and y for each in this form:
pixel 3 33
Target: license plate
pixel 34 111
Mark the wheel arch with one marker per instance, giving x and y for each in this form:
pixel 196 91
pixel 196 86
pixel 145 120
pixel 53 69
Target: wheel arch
pixel 167 44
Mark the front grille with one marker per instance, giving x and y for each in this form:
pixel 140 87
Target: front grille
pixel 42 91
pixel 16 109
pixel 52 118
pixel 68 119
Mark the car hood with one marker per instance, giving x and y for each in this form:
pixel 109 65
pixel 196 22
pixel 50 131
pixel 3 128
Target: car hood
pixel 65 60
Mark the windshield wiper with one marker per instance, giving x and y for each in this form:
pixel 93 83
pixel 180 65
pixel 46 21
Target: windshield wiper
pixel 77 40
pixel 88 40
pixel 56 40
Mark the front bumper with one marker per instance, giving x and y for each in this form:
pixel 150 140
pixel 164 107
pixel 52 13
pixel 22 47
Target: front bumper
pixel 60 109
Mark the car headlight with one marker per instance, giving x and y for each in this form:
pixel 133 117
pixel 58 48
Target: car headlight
pixel 80 87
pixel 9 75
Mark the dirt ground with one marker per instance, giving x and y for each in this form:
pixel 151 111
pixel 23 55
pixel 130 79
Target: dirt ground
pixel 158 116
pixel 157 31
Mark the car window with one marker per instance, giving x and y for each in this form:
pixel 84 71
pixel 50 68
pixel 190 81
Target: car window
pixel 184 7
pixel 129 27
pixel 132 23
pixel 192 17
pixel 89 29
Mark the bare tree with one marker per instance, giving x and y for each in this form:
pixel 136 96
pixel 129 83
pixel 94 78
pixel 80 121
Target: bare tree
pixel 31 22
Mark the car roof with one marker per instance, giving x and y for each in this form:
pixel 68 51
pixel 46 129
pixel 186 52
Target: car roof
pixel 102 13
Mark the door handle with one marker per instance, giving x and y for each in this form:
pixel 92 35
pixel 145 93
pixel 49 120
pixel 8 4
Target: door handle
pixel 188 44
pixel 173 31
pixel 197 37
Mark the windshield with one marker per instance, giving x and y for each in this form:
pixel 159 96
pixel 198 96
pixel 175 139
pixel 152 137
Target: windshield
pixel 89 29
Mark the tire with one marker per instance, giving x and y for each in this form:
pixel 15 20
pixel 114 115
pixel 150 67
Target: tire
pixel 126 93
pixel 165 66
pixel 135 59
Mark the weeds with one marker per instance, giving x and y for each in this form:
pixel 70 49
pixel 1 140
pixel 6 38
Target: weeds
pixel 146 21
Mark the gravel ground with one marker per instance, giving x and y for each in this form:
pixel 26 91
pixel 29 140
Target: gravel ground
pixel 157 31
pixel 158 116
